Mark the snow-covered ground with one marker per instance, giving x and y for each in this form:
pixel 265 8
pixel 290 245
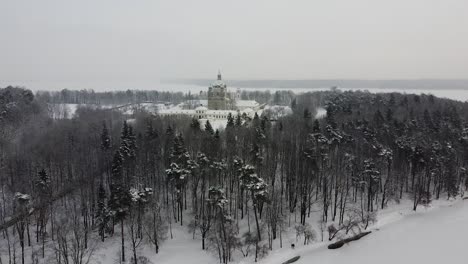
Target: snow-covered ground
pixel 432 235
pixel 183 249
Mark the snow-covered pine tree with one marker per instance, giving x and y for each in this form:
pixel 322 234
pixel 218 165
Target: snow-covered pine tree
pixel 238 121
pixel 119 201
pixel 195 124
pixel 223 236
pixel 150 133
pixel 44 195
pixel 105 138
pixel 230 121
pixel 257 187
pixel 102 212
pixel 178 171
pixel 208 127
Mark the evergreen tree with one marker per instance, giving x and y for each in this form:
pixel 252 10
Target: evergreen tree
pixel 208 127
pixel 44 191
pixel 316 126
pixel 179 153
pixel 195 125
pixel 178 171
pixel 102 213
pixel 119 201
pixel 250 181
pixel 150 133
pixel 124 149
pixel 256 120
pixel 130 143
pixel 238 121
pixel 169 131
pixel 105 138
pixel 43 184
pixel 230 121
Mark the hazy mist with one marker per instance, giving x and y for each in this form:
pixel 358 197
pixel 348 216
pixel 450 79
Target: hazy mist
pixel 136 43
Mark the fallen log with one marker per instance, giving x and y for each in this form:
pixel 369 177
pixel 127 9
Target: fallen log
pixel 292 260
pixel 341 243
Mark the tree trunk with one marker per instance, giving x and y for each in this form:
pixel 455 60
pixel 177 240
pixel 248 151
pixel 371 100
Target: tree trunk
pixel 123 239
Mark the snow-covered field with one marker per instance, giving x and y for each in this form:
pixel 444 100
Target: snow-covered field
pixel 432 235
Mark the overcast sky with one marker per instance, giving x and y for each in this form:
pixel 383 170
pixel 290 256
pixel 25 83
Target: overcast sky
pixel 121 41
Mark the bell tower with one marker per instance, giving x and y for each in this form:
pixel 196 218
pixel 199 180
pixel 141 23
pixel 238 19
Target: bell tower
pixel 217 99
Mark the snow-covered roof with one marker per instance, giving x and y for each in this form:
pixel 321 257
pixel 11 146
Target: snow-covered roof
pixel 193 112
pixel 176 111
pixel 201 108
pixel 218 83
pixel 246 103
pixel 221 112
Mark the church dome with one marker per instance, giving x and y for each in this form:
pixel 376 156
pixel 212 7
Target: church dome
pixel 219 82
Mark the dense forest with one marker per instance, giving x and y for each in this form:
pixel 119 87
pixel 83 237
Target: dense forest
pixel 66 96
pixel 70 185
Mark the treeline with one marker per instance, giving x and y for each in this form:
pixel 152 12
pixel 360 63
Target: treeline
pixel 66 96
pixel 239 189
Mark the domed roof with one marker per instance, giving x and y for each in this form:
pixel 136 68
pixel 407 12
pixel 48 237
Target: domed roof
pixel 219 82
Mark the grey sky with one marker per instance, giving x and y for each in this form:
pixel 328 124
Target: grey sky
pixel 121 41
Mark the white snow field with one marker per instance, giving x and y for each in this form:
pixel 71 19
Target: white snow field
pixel 432 235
